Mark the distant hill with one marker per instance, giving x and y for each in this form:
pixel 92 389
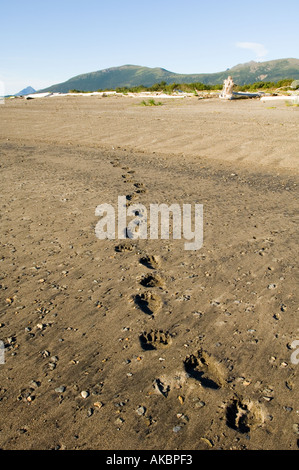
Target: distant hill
pixel 134 75
pixel 26 91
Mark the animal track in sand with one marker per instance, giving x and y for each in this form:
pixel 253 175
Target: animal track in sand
pixel 124 247
pixel 115 164
pixel 242 416
pixel 130 197
pixel 161 387
pixel 148 302
pixel 154 339
pixel 151 280
pixel 140 191
pixel 138 185
pixel 204 368
pixel 150 261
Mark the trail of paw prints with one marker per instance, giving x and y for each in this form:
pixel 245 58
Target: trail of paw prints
pixel 128 178
pixel 240 414
pixel 149 302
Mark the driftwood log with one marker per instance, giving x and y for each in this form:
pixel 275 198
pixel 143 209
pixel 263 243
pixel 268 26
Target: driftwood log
pixel 228 93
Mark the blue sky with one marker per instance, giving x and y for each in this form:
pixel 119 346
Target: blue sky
pixel 43 43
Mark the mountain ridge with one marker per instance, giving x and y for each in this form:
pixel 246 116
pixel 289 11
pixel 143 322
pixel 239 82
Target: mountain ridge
pixel 135 75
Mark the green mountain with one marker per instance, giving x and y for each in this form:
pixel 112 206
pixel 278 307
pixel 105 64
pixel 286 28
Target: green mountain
pixel 134 75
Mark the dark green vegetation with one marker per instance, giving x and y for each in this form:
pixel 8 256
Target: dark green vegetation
pixel 265 85
pixel 128 76
pixel 195 88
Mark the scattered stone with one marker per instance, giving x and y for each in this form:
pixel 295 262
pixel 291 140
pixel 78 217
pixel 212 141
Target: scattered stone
pixel 120 404
pixel 288 408
pixel 267 398
pixel 84 394
pixel 272 286
pixel 289 384
pixel 183 417
pixel 98 404
pixel 207 441
pixel 198 403
pixel 141 410
pixel 35 384
pixel 177 429
pixel 60 389
pixel 246 383
pixel 11 340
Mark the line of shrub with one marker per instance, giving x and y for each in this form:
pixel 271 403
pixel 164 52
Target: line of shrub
pixel 194 87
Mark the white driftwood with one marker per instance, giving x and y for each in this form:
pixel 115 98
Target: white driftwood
pixel 227 91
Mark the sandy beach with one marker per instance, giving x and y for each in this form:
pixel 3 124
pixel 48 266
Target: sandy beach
pixel 141 344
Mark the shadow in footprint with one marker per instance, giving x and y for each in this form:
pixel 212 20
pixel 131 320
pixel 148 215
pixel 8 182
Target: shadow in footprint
pixel 147 302
pixel 197 367
pixel 154 339
pixel 152 281
pixel 151 262
pixel 124 247
pixel 237 417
